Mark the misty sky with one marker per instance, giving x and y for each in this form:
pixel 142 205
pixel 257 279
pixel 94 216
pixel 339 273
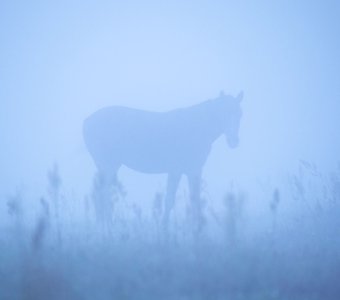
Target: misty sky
pixel 62 60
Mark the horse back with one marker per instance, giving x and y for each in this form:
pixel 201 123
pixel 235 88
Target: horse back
pixel 155 142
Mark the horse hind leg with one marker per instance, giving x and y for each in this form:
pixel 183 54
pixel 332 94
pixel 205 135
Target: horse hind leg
pixel 105 193
pixel 172 184
pixel 107 176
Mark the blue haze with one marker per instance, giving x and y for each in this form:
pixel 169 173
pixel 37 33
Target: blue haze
pixel 60 61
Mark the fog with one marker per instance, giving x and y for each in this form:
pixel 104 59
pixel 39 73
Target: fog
pixel 62 61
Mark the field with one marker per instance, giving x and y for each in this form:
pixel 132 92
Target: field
pixel 104 247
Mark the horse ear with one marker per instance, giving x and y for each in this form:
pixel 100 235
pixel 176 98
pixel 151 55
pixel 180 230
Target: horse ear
pixel 239 96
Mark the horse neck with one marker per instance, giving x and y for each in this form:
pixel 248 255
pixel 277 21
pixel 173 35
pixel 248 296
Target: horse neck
pixel 207 116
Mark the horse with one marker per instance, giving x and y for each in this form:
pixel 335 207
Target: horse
pixel 175 142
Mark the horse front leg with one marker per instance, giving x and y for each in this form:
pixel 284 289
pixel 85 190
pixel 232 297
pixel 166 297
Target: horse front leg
pixel 194 180
pixel 172 184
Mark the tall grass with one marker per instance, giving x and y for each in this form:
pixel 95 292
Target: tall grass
pixel 116 250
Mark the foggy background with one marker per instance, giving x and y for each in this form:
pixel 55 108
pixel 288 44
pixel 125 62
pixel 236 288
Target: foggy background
pixel 62 61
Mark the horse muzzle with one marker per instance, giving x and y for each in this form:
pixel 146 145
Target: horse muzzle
pixel 233 143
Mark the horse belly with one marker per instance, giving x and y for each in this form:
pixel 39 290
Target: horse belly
pixel 145 142
pixel 152 156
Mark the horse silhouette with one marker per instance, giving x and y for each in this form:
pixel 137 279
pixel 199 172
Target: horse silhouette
pixel 175 142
